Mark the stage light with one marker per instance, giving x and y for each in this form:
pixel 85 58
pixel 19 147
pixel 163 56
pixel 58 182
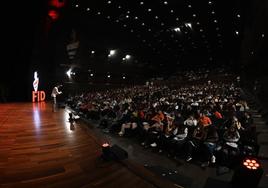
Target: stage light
pixel 248 174
pixel 106 151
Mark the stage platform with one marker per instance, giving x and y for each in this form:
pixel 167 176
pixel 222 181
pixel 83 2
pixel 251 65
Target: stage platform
pixel 41 148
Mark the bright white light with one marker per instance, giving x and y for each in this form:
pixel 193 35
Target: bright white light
pixel 171 11
pixel 149 10
pixel 127 16
pixel 141 2
pixel 189 6
pixel 165 2
pixel 112 53
pixel 88 9
pixel 143 24
pixel 128 57
pixel 108 76
pixel 69 72
pixel 188 25
pixel 136 17
pixel 156 17
pixel 92 52
pixel 124 77
pixel 262 35
pixel 99 13
pixel 215 21
pixel 236 32
pixel 201 30
pixel 209 2
pixel 91 74
pixel 194 15
pixel 76 5
pixel 238 15
pixel 213 12
pixel 177 29
pixel 109 2
pixel 124 59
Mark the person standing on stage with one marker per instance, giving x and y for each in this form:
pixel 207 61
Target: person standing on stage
pixel 54 94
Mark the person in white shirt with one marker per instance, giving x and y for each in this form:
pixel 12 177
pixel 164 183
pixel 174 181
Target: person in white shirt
pixel 54 93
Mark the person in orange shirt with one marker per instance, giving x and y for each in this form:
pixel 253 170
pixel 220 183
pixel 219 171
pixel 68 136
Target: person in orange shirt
pixel 204 120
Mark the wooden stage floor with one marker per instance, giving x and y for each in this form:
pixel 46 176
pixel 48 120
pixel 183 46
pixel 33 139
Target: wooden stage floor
pixel 39 148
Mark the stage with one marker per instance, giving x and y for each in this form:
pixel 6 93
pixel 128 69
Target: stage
pixel 41 148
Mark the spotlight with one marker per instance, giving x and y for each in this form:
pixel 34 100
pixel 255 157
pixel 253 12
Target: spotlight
pixel 106 151
pixel 248 174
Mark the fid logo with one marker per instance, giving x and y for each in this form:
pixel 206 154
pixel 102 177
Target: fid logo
pixel 39 95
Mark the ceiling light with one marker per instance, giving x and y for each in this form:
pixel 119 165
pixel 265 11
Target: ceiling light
pixel 165 2
pixel 156 17
pixel 88 9
pixel 136 18
pixel 262 35
pixel 215 21
pixel 92 52
pixel 189 6
pixel 141 3
pixel 109 2
pixel 209 2
pixel 91 75
pixel 236 32
pixel 238 15
pixel 127 16
pixel 177 29
pixel 188 25
pixel 171 11
pixel 119 6
pixel 76 5
pixel 149 10
pixel 143 24
pixel 213 12
pixel 194 15
pixel 128 56
pixel 177 19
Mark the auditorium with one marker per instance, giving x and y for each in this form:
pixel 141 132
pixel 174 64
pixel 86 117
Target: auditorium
pixel 141 93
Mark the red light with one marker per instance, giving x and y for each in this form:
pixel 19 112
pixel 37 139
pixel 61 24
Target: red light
pixel 251 164
pixel 53 14
pixel 57 3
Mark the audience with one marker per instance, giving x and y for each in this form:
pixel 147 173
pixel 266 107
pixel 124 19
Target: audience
pixel 199 120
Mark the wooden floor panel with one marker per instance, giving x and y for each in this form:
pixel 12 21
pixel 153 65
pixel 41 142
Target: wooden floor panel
pixel 39 148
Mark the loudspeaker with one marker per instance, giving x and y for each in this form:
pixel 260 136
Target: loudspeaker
pixel 118 153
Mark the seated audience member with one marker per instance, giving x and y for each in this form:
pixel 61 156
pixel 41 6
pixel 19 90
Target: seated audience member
pixel 230 147
pixel 204 120
pixel 196 141
pixel 210 144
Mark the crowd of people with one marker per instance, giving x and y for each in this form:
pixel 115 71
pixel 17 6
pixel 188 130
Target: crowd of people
pixel 208 122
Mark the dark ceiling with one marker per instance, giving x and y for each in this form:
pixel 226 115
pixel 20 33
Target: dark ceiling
pixel 161 33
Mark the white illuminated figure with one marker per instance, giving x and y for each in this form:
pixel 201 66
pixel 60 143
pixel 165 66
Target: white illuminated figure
pixel 36 81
